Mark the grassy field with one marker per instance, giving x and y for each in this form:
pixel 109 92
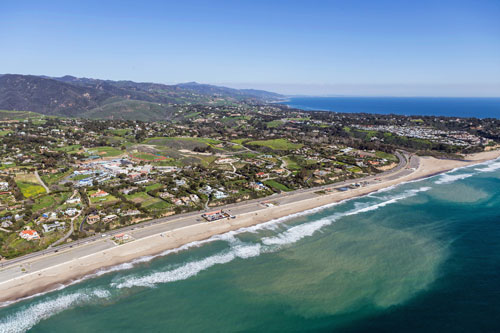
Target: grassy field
pixel 274 124
pixel 153 187
pixel 52 178
pixel 6 115
pixel 291 163
pixel 159 206
pixel 274 184
pixel 29 185
pixel 148 157
pixel 143 198
pixel 387 156
pixel 104 200
pixel 119 132
pixel 239 141
pixel 105 151
pixel 276 144
pixel 43 202
pixel 30 189
pixel 4 133
pixel 71 149
pixel 182 142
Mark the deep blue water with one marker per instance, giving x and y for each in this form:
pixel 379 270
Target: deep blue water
pixel 422 106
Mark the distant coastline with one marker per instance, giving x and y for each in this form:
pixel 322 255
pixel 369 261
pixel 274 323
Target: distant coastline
pixel 479 107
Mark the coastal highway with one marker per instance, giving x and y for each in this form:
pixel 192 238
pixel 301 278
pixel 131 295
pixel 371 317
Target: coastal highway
pixel 39 260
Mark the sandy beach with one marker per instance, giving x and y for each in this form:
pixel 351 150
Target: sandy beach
pixel 48 272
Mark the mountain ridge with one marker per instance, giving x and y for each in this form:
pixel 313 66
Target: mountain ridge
pixel 75 97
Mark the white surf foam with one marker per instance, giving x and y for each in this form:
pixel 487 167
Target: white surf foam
pixel 448 179
pixel 296 233
pixel 28 317
pixel 190 269
pixel 490 167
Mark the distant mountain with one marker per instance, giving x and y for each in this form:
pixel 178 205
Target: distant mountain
pixel 47 96
pixel 85 97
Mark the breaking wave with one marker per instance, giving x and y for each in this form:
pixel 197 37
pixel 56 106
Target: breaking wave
pixel 489 166
pixel 447 179
pixel 191 268
pixel 31 315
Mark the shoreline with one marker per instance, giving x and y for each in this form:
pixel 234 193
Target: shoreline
pixel 23 285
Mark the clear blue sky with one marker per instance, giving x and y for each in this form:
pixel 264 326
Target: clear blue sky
pixel 367 47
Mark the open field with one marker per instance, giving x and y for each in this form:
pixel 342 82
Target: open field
pixel 148 157
pixel 71 149
pixel 6 115
pixel 29 185
pixel 53 178
pixel 387 156
pixel 30 189
pixel 182 142
pixel 105 151
pixel 103 200
pixel 147 201
pixel 274 124
pixel 276 144
pixel 278 186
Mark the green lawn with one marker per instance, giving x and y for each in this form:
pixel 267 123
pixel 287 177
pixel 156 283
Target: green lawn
pixel 159 206
pixel 276 144
pixel 104 200
pixel 52 178
pixel 387 156
pixel 238 141
pixel 153 187
pixel 71 149
pixel 148 156
pixel 291 163
pixel 105 151
pixel 4 133
pixel 143 198
pixel 119 132
pixel 43 202
pixel 274 124
pixel 164 140
pixel 274 184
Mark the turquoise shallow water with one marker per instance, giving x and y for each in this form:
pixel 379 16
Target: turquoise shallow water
pixel 421 256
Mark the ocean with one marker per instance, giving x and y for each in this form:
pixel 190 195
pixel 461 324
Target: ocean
pixel 421 256
pixel 419 106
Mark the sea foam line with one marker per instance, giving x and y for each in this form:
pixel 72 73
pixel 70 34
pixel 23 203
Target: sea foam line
pixel 448 179
pixel 31 315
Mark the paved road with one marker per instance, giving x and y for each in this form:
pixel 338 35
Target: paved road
pixel 12 268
